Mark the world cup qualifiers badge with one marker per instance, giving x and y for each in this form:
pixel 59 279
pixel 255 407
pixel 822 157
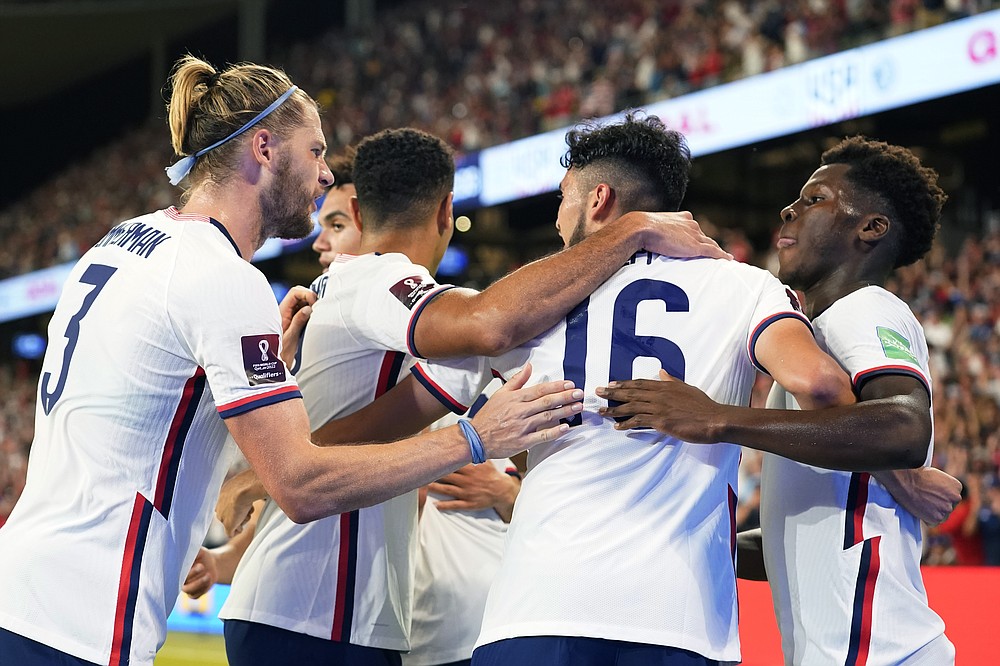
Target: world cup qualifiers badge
pixel 261 361
pixel 410 290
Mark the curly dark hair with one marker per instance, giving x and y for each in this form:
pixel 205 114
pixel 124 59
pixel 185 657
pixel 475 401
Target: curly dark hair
pixel 341 166
pixel 895 175
pixel 647 164
pixel 401 176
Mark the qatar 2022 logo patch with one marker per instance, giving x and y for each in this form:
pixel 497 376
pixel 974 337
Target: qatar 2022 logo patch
pixel 261 360
pixel 410 290
pixel 895 345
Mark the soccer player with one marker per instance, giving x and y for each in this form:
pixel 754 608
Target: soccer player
pixel 841 555
pixel 621 547
pixel 462 516
pixel 164 338
pixel 337 234
pixel 339 590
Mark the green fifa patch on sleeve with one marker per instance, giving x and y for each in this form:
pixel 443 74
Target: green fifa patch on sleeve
pixel 895 345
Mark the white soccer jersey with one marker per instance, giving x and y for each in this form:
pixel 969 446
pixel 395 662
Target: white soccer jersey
pixel 161 328
pixel 631 535
pixel 459 554
pixel 349 577
pixel 843 558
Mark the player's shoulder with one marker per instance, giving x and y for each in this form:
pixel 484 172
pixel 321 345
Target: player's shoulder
pixel 705 270
pixel 869 303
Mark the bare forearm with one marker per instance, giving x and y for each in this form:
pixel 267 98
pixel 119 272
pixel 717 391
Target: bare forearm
pixel 505 504
pixel 544 291
pixel 344 478
pixel 527 302
pixel 874 435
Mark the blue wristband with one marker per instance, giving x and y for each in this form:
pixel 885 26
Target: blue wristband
pixel 472 437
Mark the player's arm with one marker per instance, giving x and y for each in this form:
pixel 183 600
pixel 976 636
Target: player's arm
pixel 750 555
pixel 404 410
pixel 475 487
pixel 218 565
pixel 927 493
pixel 890 429
pixel 529 301
pixel 310 482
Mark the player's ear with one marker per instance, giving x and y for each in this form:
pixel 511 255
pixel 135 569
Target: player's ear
pixel 874 227
pixel 356 213
pixel 601 203
pixel 445 213
pixel 261 146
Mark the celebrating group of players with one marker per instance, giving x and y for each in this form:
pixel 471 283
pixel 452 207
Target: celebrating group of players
pixel 627 361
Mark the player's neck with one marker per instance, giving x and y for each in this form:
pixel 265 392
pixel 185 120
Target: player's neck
pixel 239 214
pixel 416 244
pixel 831 289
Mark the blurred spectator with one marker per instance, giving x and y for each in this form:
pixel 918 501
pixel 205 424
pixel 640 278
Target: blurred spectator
pixel 478 74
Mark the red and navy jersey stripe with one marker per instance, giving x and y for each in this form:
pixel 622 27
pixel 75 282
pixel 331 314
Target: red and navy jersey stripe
pixel 173 448
pixel 857 502
pixel 864 591
pixel 347 569
pixel 347 562
pixel 128 584
pixel 256 400
pixel 388 373
pixel 864 596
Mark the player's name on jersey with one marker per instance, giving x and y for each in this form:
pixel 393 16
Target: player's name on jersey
pixel 134 237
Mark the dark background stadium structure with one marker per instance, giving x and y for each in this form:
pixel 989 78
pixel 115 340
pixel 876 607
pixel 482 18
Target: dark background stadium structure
pixel 82 111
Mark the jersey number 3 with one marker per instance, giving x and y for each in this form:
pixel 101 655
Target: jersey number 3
pixel 97 275
pixel 626 344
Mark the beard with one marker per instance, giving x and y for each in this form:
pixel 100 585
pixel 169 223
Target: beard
pixel 579 232
pixel 284 207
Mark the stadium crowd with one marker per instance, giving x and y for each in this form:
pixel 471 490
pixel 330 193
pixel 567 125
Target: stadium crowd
pixel 956 297
pixel 478 74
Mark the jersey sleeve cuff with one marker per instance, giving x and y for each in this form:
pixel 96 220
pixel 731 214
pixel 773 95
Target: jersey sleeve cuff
pixel 258 400
pixel 435 390
pixel 762 326
pixel 861 378
pixel 412 326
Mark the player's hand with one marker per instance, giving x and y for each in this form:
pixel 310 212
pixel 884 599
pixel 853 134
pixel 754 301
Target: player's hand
pixel 669 406
pixel 295 308
pixel 476 487
pixel 926 492
pixel 517 418
pixel 674 235
pixel 235 505
pixel 203 575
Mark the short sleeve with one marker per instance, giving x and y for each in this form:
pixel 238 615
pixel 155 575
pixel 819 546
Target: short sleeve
pixel 228 318
pixel 774 303
pixel 458 382
pixel 455 382
pixel 873 334
pixel 385 309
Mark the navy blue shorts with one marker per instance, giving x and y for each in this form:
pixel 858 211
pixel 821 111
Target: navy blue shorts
pixel 578 651
pixel 253 644
pixel 16 649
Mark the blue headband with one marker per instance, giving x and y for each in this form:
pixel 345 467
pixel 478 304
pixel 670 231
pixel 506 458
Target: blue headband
pixel 182 167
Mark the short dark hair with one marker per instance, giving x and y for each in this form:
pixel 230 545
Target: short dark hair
pixel 342 166
pixel 647 164
pixel 896 175
pixel 401 175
